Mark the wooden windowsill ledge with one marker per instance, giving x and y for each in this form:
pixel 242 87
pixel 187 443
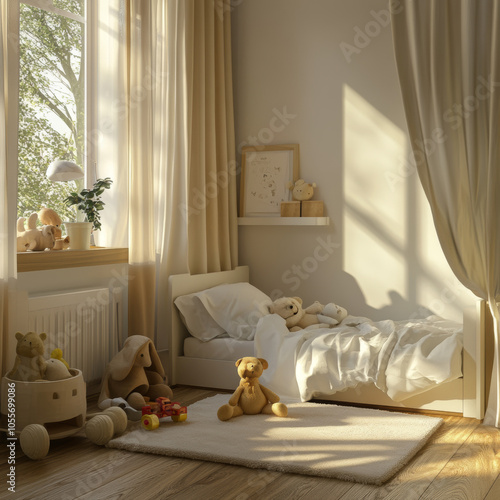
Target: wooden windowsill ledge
pixel 61 259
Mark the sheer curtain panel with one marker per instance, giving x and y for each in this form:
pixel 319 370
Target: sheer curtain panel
pixel 448 59
pixel 9 29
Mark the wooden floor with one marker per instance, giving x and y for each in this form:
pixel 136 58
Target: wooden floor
pixel 462 461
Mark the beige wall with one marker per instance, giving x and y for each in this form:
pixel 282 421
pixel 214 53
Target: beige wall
pixel 321 73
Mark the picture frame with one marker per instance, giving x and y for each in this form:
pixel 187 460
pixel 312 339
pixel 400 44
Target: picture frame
pixel 265 173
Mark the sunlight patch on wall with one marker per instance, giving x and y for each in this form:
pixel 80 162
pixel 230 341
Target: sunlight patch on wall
pixel 375 213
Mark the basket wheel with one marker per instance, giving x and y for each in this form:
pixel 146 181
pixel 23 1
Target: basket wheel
pixel 35 441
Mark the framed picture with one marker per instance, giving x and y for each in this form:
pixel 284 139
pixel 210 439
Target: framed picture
pixel 265 173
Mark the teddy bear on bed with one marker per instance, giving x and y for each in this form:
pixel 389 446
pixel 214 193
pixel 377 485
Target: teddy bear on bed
pixel 297 318
pixel 250 397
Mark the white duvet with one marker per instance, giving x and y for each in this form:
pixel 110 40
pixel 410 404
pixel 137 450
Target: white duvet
pixel 402 358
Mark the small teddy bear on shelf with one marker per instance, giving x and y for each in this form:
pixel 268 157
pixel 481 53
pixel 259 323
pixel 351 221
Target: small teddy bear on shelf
pixel 250 397
pixel 297 318
pixel 301 190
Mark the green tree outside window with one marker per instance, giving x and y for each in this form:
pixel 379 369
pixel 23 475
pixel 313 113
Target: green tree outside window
pixel 51 104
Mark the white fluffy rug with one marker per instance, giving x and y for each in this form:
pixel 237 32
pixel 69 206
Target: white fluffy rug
pixel 355 444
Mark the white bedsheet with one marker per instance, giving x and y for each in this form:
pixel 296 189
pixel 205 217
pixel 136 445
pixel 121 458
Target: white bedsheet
pixel 402 358
pixel 226 349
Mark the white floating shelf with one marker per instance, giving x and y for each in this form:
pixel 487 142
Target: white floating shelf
pixel 283 221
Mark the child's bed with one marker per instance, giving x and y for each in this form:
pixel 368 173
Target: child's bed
pixel 211 363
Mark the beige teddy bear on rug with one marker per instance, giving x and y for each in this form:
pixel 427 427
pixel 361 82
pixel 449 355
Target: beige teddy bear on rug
pixel 30 364
pixel 251 398
pixel 297 318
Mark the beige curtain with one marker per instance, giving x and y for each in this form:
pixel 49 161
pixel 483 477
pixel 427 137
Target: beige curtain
pixel 211 211
pixel 142 256
pixel 124 145
pixel 193 130
pixel 448 59
pixel 180 144
pixel 8 165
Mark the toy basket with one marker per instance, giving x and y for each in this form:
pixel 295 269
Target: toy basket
pixel 60 405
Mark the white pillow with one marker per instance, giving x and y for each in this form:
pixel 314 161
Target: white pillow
pixel 196 318
pixel 236 307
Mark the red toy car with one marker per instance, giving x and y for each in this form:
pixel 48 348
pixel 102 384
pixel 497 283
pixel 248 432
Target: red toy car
pixel 161 408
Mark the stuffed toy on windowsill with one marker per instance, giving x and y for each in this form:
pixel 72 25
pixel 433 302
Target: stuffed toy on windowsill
pixel 33 238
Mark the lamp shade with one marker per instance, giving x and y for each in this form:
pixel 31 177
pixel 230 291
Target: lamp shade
pixel 64 171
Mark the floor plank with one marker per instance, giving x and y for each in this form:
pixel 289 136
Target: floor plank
pixel 472 470
pixel 494 493
pixel 416 477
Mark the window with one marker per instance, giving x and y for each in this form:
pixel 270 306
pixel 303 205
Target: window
pixel 53 111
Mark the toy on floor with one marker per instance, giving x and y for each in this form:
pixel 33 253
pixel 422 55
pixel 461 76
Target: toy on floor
pixel 251 398
pixel 161 408
pixel 45 410
pixel 132 413
pixel 135 374
pixel 33 238
pixel 297 318
pixel 103 426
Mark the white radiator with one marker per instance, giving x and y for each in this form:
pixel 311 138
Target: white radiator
pixel 85 324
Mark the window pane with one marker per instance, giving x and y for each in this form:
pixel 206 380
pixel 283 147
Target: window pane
pixel 51 106
pixel 73 6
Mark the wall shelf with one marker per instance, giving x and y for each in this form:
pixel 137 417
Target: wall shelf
pixel 283 221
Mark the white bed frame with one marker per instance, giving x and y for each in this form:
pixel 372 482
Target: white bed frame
pixel 464 396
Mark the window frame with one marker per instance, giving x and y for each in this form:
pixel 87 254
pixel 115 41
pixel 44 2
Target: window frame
pixel 36 261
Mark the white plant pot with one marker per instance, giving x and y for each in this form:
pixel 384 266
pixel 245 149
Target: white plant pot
pixel 79 235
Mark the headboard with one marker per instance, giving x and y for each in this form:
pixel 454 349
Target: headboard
pixel 183 284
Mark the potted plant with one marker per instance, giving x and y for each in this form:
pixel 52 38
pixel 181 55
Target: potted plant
pixel 88 203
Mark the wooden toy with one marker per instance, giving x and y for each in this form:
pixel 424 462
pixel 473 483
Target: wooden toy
pixel 99 429
pixel 103 426
pixel 44 410
pixel 162 408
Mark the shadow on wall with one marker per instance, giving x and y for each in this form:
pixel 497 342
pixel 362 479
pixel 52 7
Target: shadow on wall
pixel 398 308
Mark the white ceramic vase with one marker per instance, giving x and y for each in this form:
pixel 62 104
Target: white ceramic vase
pixel 79 235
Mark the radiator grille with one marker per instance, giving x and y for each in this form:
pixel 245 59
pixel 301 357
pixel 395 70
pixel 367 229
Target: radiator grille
pixel 85 324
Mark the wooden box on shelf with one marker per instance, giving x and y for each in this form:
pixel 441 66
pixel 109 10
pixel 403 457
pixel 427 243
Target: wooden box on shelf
pixel 312 209
pixel 290 209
